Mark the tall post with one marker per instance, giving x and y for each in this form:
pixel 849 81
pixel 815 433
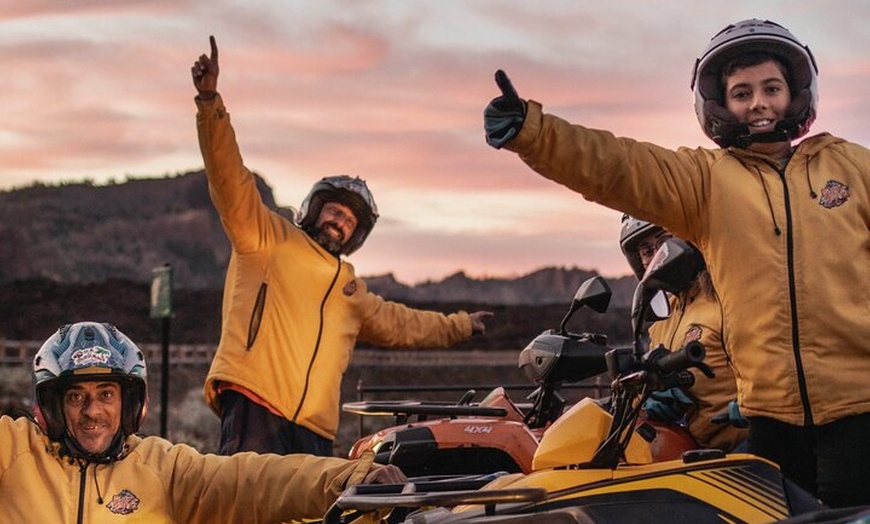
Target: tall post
pixel 161 307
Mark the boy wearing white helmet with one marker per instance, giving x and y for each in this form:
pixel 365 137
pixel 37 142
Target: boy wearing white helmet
pixel 293 307
pixel 784 228
pixel 80 460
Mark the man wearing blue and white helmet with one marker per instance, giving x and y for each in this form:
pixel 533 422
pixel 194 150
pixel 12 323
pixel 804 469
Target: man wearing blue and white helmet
pixel 91 390
pixel 81 460
pixel 293 306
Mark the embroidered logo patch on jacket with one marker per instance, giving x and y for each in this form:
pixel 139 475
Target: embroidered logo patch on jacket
pixel 350 288
pixel 124 503
pixel 692 334
pixel 834 194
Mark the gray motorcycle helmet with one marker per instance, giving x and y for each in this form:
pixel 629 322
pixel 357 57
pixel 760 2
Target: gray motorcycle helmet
pixel 630 235
pixel 349 191
pixel 749 36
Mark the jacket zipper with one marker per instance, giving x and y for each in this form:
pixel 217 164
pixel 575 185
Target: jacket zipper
pixel 796 347
pixel 83 475
pixel 316 344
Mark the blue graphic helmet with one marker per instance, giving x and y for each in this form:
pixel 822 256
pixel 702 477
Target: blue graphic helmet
pixel 88 351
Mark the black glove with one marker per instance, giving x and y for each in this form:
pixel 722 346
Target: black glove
pixel 504 116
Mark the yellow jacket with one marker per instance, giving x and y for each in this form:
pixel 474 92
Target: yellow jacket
pixel 700 318
pixel 157 482
pixel 292 312
pixel 788 252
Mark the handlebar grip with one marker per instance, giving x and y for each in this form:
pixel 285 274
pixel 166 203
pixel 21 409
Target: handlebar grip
pixel 683 379
pixel 689 355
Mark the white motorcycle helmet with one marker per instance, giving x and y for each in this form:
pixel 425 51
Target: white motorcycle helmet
pixel 349 191
pixel 89 351
pixel 741 38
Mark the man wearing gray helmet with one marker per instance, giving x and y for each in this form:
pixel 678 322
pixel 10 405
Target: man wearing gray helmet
pixel 783 226
pixel 81 460
pixel 293 307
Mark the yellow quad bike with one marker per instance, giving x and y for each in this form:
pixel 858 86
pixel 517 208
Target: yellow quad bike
pixel 497 435
pixel 591 466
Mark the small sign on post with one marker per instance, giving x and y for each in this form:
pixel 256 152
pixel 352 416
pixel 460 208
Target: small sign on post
pixel 161 292
pixel 161 307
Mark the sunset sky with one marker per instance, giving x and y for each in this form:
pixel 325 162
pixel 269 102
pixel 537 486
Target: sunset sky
pixel 392 91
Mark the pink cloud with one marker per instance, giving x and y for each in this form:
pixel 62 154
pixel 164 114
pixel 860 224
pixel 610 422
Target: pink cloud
pixel 394 95
pixel 53 8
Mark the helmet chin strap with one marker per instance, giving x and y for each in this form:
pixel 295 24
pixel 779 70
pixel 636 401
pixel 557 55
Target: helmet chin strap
pixel 111 453
pixel 783 132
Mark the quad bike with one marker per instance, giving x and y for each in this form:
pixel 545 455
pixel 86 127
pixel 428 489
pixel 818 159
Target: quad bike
pixel 590 465
pixel 496 434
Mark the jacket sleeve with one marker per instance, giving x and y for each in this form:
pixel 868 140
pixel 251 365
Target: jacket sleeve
pixel 17 437
pixel 250 487
pixel 232 187
pixel 644 180
pixel 391 324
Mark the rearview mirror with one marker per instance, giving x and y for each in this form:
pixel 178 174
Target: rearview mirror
pixel 659 307
pixel 673 267
pixel 593 293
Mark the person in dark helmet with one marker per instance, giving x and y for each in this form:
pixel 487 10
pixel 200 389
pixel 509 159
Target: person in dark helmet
pixel 79 459
pixel 339 198
pixel 695 316
pixel 783 222
pixel 293 308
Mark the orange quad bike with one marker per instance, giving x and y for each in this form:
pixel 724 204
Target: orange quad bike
pixel 497 435
pixel 591 466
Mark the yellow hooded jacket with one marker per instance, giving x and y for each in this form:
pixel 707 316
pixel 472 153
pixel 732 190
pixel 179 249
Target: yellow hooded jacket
pixel 700 318
pixel 788 250
pixel 157 482
pixel 292 312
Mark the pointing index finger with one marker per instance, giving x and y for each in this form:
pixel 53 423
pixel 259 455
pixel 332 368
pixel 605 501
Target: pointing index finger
pixel 214 49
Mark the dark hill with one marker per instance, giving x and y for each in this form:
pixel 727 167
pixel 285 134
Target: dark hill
pixel 80 233
pixel 77 251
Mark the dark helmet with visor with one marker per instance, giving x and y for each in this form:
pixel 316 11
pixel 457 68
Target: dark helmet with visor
pixel 630 235
pixel 349 191
pixel 751 36
pixel 89 351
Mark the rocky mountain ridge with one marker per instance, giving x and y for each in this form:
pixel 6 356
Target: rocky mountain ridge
pixel 82 233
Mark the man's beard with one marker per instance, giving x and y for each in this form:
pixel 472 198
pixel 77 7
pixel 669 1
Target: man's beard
pixel 326 241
